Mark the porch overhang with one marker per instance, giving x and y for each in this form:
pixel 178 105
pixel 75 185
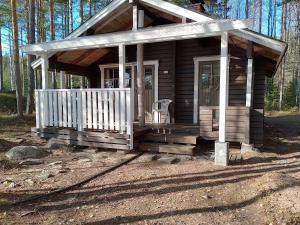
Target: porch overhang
pixel 146 35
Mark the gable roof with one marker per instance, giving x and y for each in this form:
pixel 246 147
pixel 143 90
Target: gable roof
pixel 175 10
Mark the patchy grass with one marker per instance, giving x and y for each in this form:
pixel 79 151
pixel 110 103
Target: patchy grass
pixel 8 120
pixel 4 202
pixel 8 102
pixel 292 112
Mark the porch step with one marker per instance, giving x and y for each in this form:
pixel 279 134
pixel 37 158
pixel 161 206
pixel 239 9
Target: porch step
pixel 167 148
pixel 170 138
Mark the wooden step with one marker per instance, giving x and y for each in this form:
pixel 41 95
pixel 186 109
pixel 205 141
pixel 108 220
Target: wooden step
pixel 167 148
pixel 170 138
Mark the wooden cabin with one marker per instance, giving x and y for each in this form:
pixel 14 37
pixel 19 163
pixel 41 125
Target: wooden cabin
pixel 136 52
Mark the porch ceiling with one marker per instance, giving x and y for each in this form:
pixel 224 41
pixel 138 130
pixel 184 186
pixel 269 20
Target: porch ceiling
pixel 85 57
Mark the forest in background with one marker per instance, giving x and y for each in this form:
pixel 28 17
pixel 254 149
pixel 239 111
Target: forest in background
pixel 34 21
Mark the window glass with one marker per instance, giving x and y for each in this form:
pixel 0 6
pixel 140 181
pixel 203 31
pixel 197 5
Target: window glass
pixel 148 77
pixel 209 82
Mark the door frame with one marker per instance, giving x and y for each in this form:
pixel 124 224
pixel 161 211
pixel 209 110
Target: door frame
pixel 154 63
pixel 196 82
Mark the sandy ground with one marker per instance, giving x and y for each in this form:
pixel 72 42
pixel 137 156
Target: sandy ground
pixel 264 189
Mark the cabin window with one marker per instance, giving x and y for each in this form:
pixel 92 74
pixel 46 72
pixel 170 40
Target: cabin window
pixel 111 77
pixel 209 83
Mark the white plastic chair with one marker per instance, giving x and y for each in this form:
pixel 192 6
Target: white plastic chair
pixel 160 111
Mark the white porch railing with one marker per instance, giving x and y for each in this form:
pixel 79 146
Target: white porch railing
pixel 98 109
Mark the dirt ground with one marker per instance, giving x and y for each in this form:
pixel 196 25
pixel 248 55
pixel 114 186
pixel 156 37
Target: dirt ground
pixel 263 189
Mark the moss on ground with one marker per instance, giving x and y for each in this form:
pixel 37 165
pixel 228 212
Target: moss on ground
pixel 8 102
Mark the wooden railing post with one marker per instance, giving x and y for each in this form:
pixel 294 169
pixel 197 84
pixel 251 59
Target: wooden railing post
pixel 37 110
pixel 79 110
pixel 246 146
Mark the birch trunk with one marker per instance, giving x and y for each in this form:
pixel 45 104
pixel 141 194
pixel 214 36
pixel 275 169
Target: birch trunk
pixel 14 21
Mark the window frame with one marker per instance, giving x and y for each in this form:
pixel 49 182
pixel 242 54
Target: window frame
pixel 197 61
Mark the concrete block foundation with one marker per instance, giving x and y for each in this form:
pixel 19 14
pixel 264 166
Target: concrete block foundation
pixel 246 148
pixel 221 153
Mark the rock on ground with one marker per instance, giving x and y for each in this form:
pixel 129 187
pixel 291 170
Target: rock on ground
pixel 25 152
pixel 54 144
pixel 29 162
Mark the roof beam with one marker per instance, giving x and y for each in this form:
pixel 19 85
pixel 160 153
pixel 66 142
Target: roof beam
pixel 153 34
pixel 175 10
pixel 260 39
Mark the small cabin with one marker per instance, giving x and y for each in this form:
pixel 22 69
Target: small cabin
pixel 134 56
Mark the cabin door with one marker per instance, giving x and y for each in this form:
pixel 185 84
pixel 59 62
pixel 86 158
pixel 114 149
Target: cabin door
pixel 149 97
pixel 209 89
pixel 111 80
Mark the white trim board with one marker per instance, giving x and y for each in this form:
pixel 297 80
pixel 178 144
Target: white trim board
pixel 260 39
pixel 196 82
pixel 146 35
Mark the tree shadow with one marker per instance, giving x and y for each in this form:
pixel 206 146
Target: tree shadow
pixel 157 186
pixel 131 219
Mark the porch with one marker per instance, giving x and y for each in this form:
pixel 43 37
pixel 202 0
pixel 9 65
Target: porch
pixel 104 118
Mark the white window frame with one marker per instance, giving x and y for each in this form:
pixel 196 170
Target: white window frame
pixel 196 82
pixel 154 63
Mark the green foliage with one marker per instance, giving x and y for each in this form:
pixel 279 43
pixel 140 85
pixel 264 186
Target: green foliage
pixel 8 102
pixel 272 96
pixel 289 97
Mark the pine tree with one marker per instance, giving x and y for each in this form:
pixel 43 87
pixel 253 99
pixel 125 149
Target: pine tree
pixel 31 58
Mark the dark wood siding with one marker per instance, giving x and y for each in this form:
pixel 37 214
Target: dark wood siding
pixel 184 82
pixel 176 76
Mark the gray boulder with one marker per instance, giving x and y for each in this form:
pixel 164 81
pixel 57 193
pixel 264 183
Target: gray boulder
pixel 26 152
pixel 54 144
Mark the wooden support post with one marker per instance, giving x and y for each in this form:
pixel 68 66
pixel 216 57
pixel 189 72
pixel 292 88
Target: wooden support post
pixel 45 67
pixel 221 146
pixel 224 83
pixel 249 74
pixel 140 74
pixel 134 18
pixel 122 64
pixel 62 80
pixel 249 98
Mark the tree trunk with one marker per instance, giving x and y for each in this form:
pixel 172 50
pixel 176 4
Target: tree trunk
pixel 31 58
pixel 71 14
pixel 260 15
pixel 52 36
pixel 247 9
pixel 298 54
pixel 225 9
pixel 81 11
pixel 12 80
pixel 1 63
pixel 283 37
pixel 82 79
pixel 51 15
pixel 90 8
pixel 14 21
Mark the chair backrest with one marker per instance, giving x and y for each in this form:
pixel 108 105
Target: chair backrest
pixel 161 105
